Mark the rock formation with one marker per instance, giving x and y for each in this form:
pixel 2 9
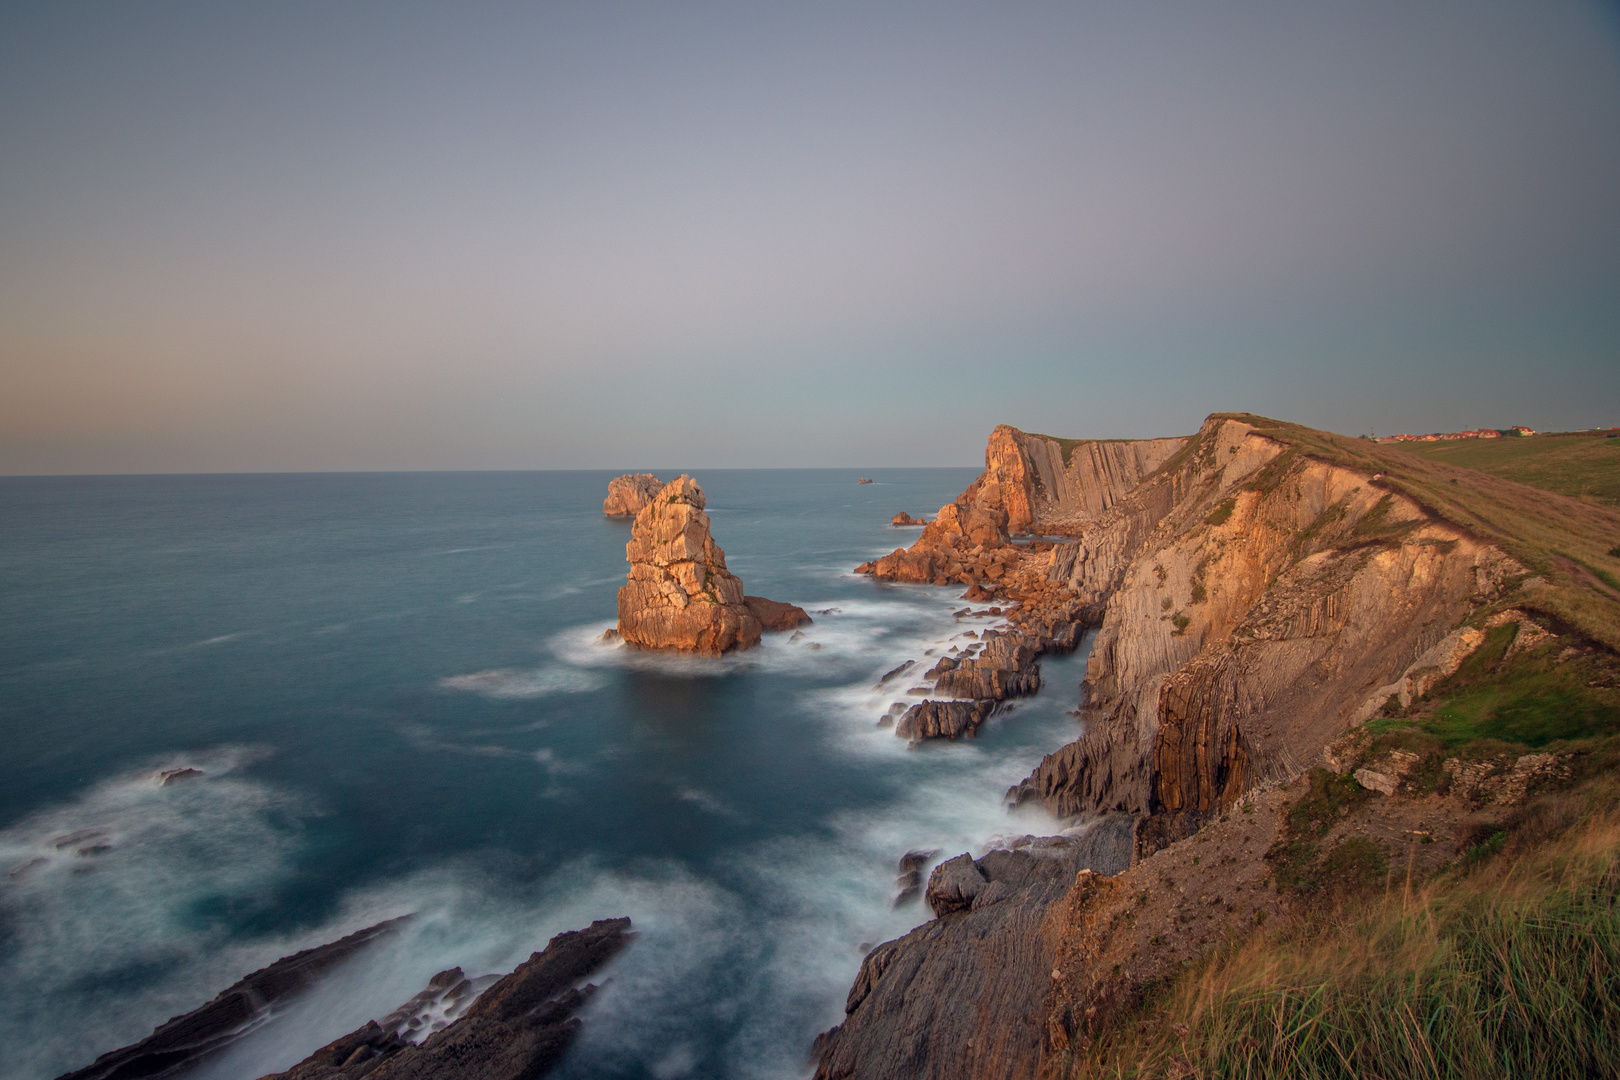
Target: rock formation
pixel 1260 589
pixel 903 519
pixel 679 595
pixel 207 1030
pixel 517 1029
pixel 775 615
pixel 627 494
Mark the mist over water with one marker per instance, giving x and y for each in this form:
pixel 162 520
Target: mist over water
pixel 394 690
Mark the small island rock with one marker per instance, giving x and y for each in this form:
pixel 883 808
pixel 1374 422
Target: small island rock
pixel 680 596
pixel 627 494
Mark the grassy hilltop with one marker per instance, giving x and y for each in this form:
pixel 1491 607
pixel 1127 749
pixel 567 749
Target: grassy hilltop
pixel 1581 464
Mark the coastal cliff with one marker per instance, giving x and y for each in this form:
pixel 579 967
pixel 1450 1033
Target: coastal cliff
pixel 1260 591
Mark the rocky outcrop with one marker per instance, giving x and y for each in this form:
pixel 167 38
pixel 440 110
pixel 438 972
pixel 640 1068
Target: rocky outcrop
pixel 963 995
pixel 206 1031
pixel 1260 589
pixel 1005 668
pixel 679 595
pixel 775 615
pixel 942 719
pixel 627 494
pixel 517 1029
pixel 903 519
pixel 1255 598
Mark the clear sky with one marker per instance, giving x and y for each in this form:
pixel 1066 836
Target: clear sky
pixel 287 236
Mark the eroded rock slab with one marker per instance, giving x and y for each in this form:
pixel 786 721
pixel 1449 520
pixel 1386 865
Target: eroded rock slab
pixel 207 1030
pixel 518 1029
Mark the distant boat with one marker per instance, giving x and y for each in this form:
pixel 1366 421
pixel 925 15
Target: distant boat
pixel 863 480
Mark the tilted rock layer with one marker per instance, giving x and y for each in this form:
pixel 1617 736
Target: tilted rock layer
pixel 680 596
pixel 1257 598
pixel 627 494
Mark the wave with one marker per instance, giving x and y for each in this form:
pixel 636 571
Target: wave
pixel 505 683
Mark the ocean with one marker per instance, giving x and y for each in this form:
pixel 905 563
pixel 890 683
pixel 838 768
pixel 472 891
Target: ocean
pixel 393 687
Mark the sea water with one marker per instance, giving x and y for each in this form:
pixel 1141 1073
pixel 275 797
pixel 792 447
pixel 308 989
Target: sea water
pixel 394 689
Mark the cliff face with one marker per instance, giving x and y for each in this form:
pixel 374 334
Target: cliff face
pixel 679 595
pixel 1060 485
pixel 1256 600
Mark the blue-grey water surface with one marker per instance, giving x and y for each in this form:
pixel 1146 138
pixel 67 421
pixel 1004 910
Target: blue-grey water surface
pixel 393 687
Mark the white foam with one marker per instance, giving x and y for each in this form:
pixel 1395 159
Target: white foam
pixel 503 683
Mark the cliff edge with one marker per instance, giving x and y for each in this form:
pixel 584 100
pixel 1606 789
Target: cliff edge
pixel 1262 590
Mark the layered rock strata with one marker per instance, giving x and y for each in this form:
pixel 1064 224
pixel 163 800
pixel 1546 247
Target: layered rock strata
pixel 1256 598
pixel 517 1029
pixel 208 1030
pixel 954 997
pixel 679 595
pixel 627 494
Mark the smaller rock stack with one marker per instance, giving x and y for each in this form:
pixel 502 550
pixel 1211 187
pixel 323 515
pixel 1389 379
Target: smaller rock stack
pixel 680 596
pixel 627 494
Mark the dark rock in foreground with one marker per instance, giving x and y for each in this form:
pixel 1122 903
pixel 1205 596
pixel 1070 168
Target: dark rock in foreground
pixel 238 1010
pixel 518 1029
pixel 942 719
pixel 964 995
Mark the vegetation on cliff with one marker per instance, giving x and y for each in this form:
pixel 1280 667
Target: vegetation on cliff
pixel 1505 962
pixel 1568 545
pixel 1508 964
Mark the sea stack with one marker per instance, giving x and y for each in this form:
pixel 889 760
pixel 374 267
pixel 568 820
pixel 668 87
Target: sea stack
pixel 680 595
pixel 627 494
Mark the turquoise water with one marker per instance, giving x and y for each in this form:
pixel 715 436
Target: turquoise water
pixel 393 688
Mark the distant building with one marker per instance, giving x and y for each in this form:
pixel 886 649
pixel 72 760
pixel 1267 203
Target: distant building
pixel 1521 431
pixel 1438 436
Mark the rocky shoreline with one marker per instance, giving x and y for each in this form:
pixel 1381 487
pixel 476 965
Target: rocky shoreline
pixel 1253 601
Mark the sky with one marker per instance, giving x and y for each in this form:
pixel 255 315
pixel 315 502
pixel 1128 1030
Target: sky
pixel 360 236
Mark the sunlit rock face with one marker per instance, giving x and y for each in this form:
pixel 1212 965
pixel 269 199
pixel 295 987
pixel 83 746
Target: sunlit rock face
pixel 627 494
pixel 680 596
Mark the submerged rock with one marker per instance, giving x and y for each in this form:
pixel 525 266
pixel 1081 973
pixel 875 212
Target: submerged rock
pixel 517 1029
pixel 176 776
pixel 627 494
pixel 236 1011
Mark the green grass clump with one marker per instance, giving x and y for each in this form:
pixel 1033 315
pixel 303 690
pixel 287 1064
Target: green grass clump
pixel 1495 703
pixel 1297 860
pixel 1222 513
pixel 1509 966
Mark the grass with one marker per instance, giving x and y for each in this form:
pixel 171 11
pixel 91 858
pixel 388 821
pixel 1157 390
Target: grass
pixel 1495 704
pixel 1579 464
pixel 1507 965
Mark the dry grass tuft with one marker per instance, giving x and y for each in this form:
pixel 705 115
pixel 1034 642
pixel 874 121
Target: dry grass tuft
pixel 1507 966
